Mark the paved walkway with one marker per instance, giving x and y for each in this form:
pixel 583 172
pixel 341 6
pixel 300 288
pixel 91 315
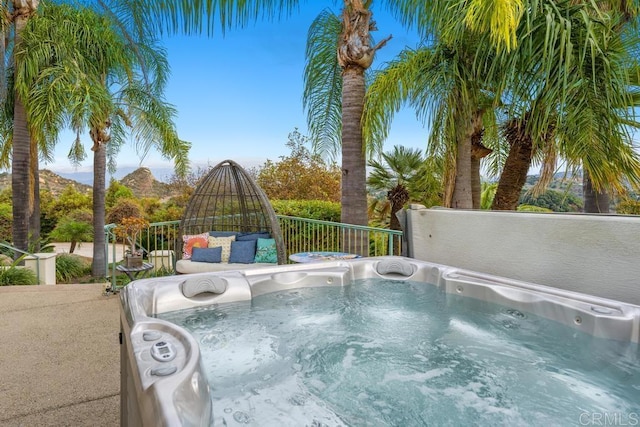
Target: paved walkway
pixel 60 358
pixel 86 250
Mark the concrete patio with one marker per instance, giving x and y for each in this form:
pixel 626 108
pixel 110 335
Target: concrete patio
pixel 60 360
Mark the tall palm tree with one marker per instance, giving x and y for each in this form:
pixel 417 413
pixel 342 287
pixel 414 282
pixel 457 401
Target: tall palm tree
pixel 97 82
pixel 334 98
pixel 341 75
pixel 15 15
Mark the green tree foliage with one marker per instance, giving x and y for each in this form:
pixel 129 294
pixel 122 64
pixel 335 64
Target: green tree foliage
pixel 300 176
pixel 70 200
pixel 115 192
pixel 311 209
pixel 48 220
pixel 553 200
pixel 166 212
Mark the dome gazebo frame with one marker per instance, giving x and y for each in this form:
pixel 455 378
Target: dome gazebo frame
pixel 228 199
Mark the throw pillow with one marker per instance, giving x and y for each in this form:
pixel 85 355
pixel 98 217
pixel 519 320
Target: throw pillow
pixel 190 241
pixel 266 251
pixel 243 251
pixel 206 254
pixel 225 243
pixel 253 236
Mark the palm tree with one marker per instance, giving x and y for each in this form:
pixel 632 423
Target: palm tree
pixel 568 107
pixel 350 37
pixel 395 174
pixel 93 56
pixel 16 14
pixel 440 82
pixel 533 65
pixel 334 99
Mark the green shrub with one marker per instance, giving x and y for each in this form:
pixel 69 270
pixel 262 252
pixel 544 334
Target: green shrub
pixel 70 267
pixel 628 207
pixel 311 209
pixel 6 220
pixel 17 276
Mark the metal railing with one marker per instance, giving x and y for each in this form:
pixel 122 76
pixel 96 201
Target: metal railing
pixel 159 242
pixel 310 235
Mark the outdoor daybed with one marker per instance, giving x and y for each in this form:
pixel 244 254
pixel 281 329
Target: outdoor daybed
pixel 228 224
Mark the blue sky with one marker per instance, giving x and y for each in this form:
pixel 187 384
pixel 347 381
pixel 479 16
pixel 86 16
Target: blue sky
pixel 239 96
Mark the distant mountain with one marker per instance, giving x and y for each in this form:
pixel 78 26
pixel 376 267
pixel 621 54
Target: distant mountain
pixel 48 181
pixel 141 181
pixel 86 177
pixel 143 184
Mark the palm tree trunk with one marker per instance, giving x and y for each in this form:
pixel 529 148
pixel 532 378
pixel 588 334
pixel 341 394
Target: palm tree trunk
pixel 99 263
pixel 478 152
pixel 354 192
pixel 462 197
pixel 355 55
pixel 594 201
pixel 20 178
pixel 21 142
pixel 34 218
pixel 516 167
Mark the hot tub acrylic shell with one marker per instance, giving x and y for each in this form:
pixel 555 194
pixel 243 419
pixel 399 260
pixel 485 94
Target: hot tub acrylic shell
pixel 163 382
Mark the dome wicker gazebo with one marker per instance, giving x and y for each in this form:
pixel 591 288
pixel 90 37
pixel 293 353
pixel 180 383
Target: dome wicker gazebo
pixel 228 199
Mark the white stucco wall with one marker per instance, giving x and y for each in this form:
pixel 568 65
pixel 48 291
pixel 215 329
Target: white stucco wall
pixel 594 254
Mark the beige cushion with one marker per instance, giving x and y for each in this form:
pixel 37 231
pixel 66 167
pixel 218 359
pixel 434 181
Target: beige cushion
pixel 225 243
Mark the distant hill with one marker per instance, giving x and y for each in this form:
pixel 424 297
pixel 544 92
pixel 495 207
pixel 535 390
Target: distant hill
pixel 48 181
pixel 143 184
pixel 141 181
pixel 163 174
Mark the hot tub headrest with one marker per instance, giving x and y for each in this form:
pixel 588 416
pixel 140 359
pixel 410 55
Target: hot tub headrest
pixel 197 285
pixel 395 266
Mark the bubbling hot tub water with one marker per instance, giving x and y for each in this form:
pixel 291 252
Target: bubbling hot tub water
pixel 344 344
pixel 382 352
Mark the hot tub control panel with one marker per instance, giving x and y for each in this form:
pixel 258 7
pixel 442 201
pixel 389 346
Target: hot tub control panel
pixel 163 351
pixel 159 352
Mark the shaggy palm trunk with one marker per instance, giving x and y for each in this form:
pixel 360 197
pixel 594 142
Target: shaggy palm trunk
pixel 594 201
pixel 99 263
pixel 516 167
pixel 397 196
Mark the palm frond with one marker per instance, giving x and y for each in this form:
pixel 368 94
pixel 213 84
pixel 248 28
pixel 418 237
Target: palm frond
pixel 322 96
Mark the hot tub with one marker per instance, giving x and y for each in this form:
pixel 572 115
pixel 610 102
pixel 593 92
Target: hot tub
pixel 166 381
